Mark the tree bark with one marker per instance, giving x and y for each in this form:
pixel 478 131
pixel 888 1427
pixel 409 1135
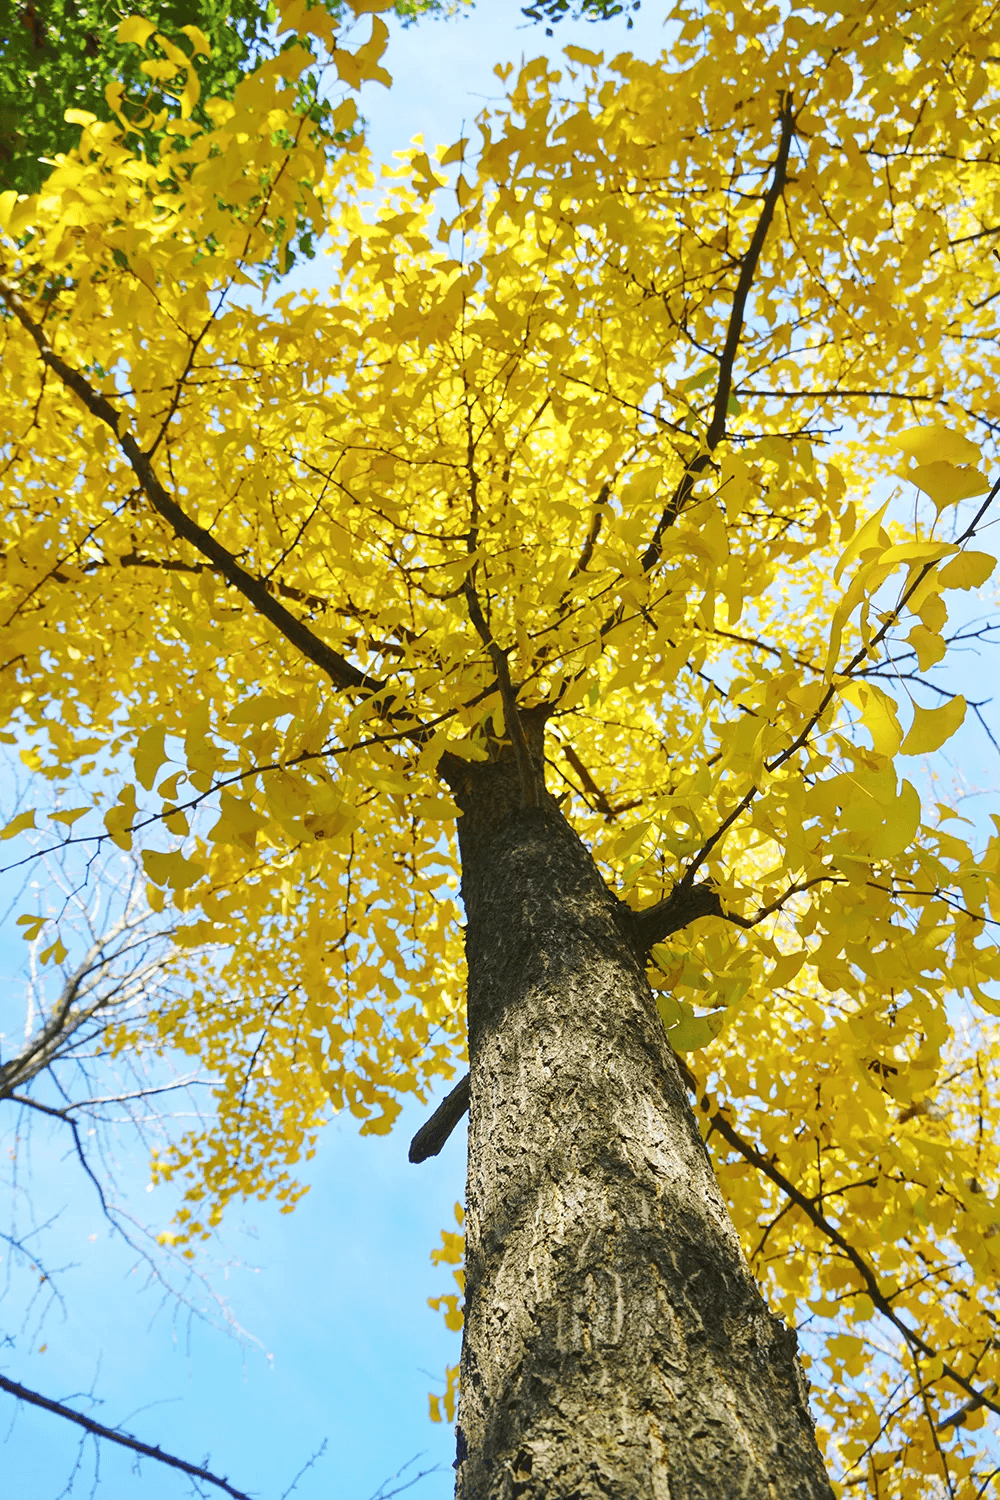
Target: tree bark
pixel 615 1342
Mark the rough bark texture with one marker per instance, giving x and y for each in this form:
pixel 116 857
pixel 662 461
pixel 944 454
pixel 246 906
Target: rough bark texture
pixel 615 1342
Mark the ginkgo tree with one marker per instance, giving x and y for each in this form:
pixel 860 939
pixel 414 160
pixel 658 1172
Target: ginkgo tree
pixel 547 563
pixel 57 55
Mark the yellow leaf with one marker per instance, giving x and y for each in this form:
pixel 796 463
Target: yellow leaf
pixel 159 70
pixel 928 645
pixel 932 726
pixel 924 551
pixel 467 749
pixel 627 841
pixel 686 1031
pixel 172 869
pixel 69 816
pixel 581 55
pixel 198 40
pixel 866 537
pixel 135 29
pixel 436 809
pixel 8 200
pixel 878 715
pixel 118 820
pixel 149 755
pixel 946 484
pixel 969 570
pixel 900 826
pixel 19 824
pixel 79 117
pixel 239 823
pixel 261 710
pixel 190 94
pixel 455 153
pixel 928 444
pixel 691 1032
pixel 453 1317
pixel 32 926
pixel 345 115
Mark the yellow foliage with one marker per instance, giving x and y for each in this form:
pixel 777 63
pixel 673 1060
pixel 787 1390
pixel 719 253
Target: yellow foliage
pixel 243 537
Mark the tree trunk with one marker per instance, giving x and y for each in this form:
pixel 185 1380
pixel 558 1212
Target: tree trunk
pixel 615 1342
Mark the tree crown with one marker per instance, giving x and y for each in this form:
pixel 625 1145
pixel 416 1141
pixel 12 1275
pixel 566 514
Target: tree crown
pixel 592 451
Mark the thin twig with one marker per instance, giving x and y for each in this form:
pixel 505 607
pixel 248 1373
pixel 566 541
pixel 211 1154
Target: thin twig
pixel 123 1439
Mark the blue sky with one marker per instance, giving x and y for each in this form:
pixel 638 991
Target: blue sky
pixel 348 1348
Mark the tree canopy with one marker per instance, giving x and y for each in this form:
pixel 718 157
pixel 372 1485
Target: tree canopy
pixel 664 413
pixel 57 55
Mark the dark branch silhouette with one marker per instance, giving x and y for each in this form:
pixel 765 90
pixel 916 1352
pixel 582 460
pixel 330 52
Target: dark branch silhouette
pixel 123 1439
pixel 431 1137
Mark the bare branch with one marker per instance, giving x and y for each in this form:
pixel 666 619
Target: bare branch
pixel 686 903
pixel 123 1439
pixel 431 1137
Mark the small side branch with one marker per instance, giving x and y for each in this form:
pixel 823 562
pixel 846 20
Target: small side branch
pixel 589 784
pixel 431 1137
pixel 869 1280
pixel 123 1439
pixel 684 904
pixel 748 270
pixel 734 332
pixel 529 776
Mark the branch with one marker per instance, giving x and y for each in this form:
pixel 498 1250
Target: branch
pixel 342 673
pixel 67 1119
pixel 863 651
pixel 177 565
pixel 734 332
pixel 384 1494
pixel 43 1047
pixel 684 904
pixel 532 783
pixel 748 271
pixel 123 1439
pixel 719 1122
pixel 76 1005
pixel 583 561
pixel 431 1137
pixel 787 395
pixel 966 1409
pixel 589 784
